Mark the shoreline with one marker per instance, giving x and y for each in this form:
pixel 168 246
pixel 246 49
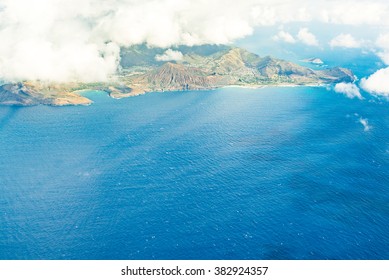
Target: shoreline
pixel 81 93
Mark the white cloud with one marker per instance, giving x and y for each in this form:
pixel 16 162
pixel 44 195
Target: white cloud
pixel 384 55
pixel 62 40
pixel 345 41
pixel 169 55
pixel 80 39
pixel 305 36
pixel 382 43
pixel 284 36
pixel 348 89
pixel 365 123
pixel 354 12
pixel 378 83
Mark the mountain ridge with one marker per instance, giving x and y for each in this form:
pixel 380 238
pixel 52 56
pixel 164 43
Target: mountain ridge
pixel 199 68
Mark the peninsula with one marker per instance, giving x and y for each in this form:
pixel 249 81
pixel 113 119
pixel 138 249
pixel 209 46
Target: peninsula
pixel 195 68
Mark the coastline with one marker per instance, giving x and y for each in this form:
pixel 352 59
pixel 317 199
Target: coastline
pixel 79 94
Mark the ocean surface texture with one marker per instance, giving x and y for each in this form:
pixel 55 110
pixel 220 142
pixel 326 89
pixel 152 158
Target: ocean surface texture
pixel 273 173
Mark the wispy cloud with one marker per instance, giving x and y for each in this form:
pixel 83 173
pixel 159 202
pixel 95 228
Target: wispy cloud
pixel 365 123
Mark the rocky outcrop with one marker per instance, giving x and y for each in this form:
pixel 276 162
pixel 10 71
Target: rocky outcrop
pixel 29 94
pixel 172 76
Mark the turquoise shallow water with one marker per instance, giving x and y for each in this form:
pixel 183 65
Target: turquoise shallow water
pixel 274 173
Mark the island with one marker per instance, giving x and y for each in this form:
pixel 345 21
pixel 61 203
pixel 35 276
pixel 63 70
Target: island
pixel 142 70
pixel 314 61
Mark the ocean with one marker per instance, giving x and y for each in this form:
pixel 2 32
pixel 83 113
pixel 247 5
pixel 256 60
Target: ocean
pixel 271 173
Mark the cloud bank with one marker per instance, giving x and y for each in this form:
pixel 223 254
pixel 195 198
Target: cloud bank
pixel 61 40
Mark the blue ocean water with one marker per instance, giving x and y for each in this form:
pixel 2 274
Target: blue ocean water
pixel 273 173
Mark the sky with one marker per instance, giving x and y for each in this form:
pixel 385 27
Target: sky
pixel 80 40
